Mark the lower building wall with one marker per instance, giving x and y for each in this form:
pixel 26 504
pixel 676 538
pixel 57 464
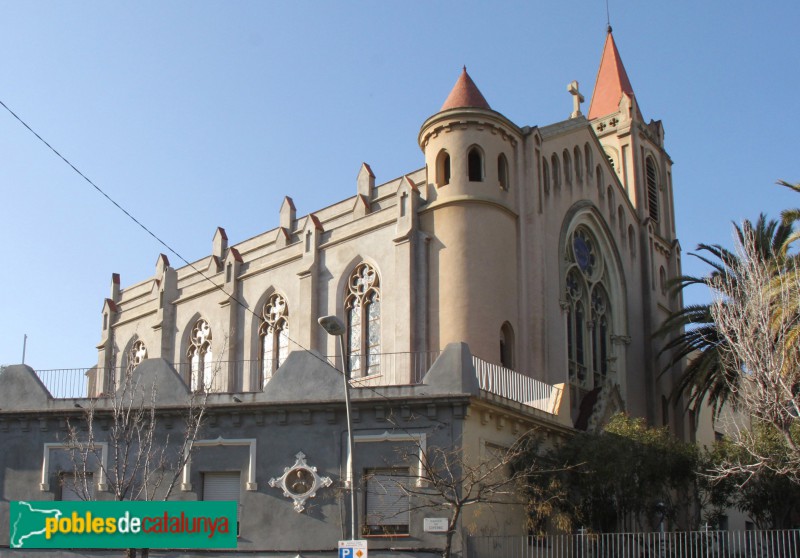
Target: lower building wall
pixel 397 431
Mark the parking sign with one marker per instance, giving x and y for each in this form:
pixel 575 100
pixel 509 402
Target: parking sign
pixel 353 549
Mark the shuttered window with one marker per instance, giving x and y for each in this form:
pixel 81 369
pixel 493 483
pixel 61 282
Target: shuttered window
pixel 387 506
pixel 221 486
pixel 72 493
pixel 224 487
pixel 652 188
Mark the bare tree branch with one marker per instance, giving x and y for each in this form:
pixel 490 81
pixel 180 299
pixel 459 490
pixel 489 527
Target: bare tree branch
pixel 758 316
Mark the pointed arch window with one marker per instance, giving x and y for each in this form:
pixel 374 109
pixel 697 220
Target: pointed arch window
pixel 610 201
pixel 588 312
pixel 652 188
pixel 475 165
pixel 363 307
pixel 274 336
pixel 555 167
pixel 502 171
pixel 201 357
pixel 587 154
pixel 545 175
pixel 443 168
pixel 567 166
pixel 631 241
pixel 507 346
pixel 598 175
pixel 578 164
pixel 136 354
pixel 600 334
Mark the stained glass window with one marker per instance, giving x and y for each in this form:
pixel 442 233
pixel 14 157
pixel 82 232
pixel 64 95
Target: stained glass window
pixel 587 311
pixel 363 306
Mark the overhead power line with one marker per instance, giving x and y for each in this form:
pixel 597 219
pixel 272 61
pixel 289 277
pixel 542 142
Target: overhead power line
pixel 167 246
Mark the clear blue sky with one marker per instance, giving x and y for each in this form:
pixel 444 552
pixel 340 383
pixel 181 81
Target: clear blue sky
pixel 200 114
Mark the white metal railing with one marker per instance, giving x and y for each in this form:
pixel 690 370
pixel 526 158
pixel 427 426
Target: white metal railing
pixel 67 383
pixel 387 369
pixel 683 544
pixel 515 385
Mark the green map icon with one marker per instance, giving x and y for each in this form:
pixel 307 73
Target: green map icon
pixel 28 522
pixel 131 524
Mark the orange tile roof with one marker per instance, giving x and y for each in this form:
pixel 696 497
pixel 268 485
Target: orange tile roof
pixel 612 82
pixel 465 94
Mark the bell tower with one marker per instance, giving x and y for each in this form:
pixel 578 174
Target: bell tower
pixel 635 150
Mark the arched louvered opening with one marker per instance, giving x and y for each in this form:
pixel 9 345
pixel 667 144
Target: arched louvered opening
pixel 652 189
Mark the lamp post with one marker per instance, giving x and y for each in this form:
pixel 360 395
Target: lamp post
pixel 334 326
pixel 661 510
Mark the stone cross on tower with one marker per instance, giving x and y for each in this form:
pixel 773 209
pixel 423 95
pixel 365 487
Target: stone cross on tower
pixel 577 99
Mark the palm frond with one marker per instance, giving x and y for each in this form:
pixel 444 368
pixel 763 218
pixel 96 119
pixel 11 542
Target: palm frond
pixel 692 336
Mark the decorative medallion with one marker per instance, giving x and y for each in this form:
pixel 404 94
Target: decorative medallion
pixel 300 482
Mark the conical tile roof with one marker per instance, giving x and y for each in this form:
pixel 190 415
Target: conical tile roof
pixel 465 94
pixel 612 81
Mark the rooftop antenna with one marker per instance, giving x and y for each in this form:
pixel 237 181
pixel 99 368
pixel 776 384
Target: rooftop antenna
pixel 24 343
pixel 608 17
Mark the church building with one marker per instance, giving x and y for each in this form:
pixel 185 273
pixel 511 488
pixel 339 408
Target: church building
pixel 546 249
pixel 513 281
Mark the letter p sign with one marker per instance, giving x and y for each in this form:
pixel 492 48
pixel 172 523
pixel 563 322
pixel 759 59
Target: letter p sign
pixel 353 549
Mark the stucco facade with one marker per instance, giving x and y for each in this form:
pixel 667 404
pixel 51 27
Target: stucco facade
pixel 518 255
pixel 466 258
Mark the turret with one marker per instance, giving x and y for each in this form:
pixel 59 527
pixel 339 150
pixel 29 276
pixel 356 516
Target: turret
pixel 471 155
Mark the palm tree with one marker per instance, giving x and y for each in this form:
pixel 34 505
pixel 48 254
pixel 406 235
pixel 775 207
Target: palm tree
pixel 695 335
pixel 786 309
pixel 790 216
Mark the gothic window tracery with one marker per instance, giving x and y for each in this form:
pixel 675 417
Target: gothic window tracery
pixel 363 307
pixel 588 312
pixel 274 336
pixel 200 356
pixel 136 354
pixel 600 334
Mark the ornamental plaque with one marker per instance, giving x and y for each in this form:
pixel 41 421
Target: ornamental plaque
pixel 300 482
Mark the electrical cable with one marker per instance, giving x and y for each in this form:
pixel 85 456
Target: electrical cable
pixel 172 250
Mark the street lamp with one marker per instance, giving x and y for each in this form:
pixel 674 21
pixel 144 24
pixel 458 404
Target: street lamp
pixel 661 510
pixel 334 326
